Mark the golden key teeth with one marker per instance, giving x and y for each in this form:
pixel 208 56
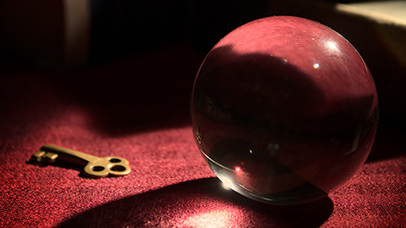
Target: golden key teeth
pixel 44 157
pixel 37 156
pixel 50 157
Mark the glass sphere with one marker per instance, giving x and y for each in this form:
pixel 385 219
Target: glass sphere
pixel 284 110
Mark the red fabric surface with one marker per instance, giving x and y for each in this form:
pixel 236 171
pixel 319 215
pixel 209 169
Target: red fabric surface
pixel 138 109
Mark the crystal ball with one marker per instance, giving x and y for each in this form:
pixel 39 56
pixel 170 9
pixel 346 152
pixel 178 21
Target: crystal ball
pixel 284 110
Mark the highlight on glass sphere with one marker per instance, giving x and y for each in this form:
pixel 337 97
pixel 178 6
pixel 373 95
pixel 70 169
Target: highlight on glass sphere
pixel 284 110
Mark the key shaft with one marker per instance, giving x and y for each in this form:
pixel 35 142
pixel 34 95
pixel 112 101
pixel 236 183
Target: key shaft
pixel 62 150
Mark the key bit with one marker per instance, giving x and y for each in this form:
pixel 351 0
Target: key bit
pixel 44 157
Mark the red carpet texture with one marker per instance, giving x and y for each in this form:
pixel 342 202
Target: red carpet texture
pixel 137 108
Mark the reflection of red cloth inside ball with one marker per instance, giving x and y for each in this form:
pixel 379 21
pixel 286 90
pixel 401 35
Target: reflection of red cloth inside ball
pixel 282 62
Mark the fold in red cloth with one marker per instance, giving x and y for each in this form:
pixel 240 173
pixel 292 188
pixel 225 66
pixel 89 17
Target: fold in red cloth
pixel 138 109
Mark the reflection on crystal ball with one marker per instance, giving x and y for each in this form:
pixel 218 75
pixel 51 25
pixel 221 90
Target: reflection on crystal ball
pixel 284 110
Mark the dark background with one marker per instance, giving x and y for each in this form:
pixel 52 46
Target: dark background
pixel 132 100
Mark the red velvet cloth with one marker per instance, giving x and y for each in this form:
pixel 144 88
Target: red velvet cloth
pixel 138 109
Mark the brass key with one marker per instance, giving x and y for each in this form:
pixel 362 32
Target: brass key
pixel 94 166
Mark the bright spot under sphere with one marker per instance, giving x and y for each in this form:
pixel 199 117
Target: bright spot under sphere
pixel 214 219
